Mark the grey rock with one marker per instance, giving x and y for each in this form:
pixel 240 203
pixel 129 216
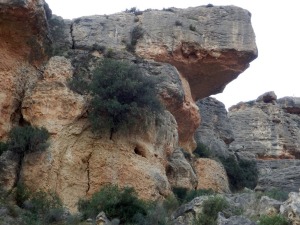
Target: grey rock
pixel 234 220
pixel 291 208
pixel 267 97
pixel 179 171
pixel 283 174
pixel 215 130
pixel 60 32
pixel 290 104
pixel 268 206
pixel 162 40
pixel 9 166
pixel 186 213
pixel 269 133
pixel 264 131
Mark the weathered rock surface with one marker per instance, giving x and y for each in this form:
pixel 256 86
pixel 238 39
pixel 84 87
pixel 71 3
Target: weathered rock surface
pixel 268 206
pixel 209 57
pixel 180 172
pixel 265 130
pixel 211 47
pixel 77 162
pixel 215 130
pixel 51 104
pixel 23 31
pixel 290 208
pixel 211 175
pixel 234 220
pixel 211 44
pixel 283 174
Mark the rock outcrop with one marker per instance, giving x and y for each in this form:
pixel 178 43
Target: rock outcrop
pixel 211 175
pixel 194 52
pixel 208 46
pixel 266 130
pixel 23 42
pixel 290 208
pixel 215 130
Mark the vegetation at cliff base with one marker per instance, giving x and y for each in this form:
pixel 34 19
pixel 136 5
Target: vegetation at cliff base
pixel 115 203
pixel 241 173
pixel 273 220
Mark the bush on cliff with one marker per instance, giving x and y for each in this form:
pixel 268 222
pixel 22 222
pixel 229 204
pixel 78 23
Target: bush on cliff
pixel 120 95
pixel 115 203
pixel 241 173
pixel 27 139
pixel 273 220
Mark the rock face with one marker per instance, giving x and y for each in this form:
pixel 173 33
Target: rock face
pixel 215 130
pixel 180 172
pixel 195 53
pixel 23 31
pixel 282 174
pixel 266 130
pixel 77 162
pixel 290 208
pixel 51 104
pixel 211 175
pixel 209 49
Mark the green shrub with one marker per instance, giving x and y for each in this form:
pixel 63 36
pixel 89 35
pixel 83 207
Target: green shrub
pixel 192 28
pixel 178 23
pixel 27 139
pixel 211 208
pixel 120 95
pixel 277 194
pixel 21 194
pixel 196 193
pixel 40 207
pixel 242 173
pixel 184 195
pixel 273 220
pixel 115 202
pixel 136 33
pixel 3 147
pixel 202 151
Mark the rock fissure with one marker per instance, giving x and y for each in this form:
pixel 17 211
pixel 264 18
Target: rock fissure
pixel 72 36
pixel 88 172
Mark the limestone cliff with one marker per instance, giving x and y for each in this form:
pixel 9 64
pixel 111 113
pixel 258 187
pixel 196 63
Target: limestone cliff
pixel 194 53
pixel 266 129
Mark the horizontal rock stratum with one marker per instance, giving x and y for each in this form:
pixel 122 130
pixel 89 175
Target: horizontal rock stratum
pixel 195 52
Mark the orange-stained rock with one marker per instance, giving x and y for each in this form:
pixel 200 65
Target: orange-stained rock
pixel 211 175
pixel 23 31
pixel 78 162
pixel 51 104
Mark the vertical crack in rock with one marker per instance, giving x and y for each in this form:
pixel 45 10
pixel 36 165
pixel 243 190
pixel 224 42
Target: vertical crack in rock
pixel 88 172
pixel 72 36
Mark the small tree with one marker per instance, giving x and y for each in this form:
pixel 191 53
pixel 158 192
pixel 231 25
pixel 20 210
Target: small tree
pixel 27 139
pixel 120 95
pixel 115 202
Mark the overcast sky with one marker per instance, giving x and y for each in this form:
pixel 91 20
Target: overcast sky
pixel 275 23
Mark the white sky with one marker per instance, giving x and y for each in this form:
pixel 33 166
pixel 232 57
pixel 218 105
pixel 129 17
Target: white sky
pixel 275 23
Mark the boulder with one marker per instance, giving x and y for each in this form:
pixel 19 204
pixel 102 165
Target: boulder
pixel 211 175
pixel 180 172
pixel 290 208
pixel 234 220
pixel 267 97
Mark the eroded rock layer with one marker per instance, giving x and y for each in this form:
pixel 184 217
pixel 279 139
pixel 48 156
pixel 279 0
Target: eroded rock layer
pixel 194 52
